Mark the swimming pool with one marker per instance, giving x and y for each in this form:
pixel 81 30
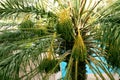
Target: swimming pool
pixel 64 64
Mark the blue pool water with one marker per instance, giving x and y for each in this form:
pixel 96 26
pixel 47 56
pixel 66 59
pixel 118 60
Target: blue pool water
pixel 63 68
pixel 64 64
pixel 89 70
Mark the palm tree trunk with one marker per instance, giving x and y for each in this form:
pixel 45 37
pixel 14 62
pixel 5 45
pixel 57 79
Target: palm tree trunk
pixel 81 71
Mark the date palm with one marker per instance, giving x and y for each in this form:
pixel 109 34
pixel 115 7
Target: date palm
pixel 41 34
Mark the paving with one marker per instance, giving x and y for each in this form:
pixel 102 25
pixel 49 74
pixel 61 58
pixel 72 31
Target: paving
pixel 57 76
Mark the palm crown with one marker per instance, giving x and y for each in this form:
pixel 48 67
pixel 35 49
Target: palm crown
pixel 42 35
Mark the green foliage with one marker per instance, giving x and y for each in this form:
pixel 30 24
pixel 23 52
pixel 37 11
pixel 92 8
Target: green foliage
pixel 47 65
pixel 26 25
pixel 65 29
pixel 111 43
pixel 79 50
pixel 10 7
pixel 82 30
pixel 110 38
pixel 12 64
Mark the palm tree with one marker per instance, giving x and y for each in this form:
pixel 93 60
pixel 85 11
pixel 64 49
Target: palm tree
pixel 110 35
pixel 41 34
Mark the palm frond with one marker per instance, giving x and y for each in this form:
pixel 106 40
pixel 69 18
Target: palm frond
pixel 13 8
pixel 13 63
pixel 110 29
